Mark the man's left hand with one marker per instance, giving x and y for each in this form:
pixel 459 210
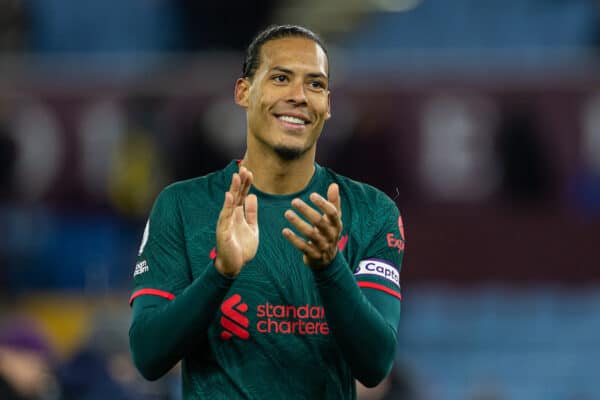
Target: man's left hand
pixel 322 232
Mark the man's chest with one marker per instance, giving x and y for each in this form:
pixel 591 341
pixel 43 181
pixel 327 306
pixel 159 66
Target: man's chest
pixel 275 293
pixel 277 268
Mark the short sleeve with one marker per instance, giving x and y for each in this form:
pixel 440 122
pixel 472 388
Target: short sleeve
pixel 162 267
pixel 379 268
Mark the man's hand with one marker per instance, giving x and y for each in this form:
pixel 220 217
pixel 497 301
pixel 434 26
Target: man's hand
pixel 320 246
pixel 237 228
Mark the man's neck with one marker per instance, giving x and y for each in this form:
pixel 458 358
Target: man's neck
pixel 274 175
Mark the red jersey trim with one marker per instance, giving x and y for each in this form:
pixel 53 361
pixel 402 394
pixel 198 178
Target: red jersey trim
pixel 154 292
pixel 377 286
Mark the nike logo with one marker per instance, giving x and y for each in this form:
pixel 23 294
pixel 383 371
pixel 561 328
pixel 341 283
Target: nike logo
pixel 342 243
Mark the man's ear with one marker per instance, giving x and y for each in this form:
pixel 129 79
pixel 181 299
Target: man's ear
pixel 242 92
pixel 328 114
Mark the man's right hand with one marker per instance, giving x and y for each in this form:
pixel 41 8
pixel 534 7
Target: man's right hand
pixel 237 227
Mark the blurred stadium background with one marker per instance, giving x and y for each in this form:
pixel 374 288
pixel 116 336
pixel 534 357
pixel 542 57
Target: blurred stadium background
pixel 480 118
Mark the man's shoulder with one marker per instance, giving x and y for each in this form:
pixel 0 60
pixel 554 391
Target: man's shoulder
pixel 205 185
pixel 358 190
pixel 198 182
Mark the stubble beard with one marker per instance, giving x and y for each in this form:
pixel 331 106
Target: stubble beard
pixel 289 153
pixel 285 152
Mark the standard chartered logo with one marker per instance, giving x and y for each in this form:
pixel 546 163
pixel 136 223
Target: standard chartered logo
pixel 289 319
pixel 379 268
pixel 233 321
pixel 283 319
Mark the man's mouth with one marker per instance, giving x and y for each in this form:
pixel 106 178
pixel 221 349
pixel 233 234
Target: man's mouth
pixel 293 120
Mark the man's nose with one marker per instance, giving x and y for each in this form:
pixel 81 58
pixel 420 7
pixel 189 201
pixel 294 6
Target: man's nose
pixel 297 93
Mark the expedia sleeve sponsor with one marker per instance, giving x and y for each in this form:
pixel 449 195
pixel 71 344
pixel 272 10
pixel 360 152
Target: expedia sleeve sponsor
pixel 376 267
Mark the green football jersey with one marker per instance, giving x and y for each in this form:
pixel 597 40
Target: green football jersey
pixel 270 336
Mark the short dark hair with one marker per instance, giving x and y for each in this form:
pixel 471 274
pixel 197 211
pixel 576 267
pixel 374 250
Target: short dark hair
pixel 252 60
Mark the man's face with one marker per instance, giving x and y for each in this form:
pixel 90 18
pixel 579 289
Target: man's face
pixel 287 100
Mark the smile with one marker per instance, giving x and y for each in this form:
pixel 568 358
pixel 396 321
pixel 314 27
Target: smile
pixel 292 120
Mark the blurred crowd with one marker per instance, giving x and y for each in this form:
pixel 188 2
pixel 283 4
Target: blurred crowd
pixel 99 367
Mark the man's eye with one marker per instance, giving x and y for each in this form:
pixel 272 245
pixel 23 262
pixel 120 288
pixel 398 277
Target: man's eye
pixel 280 78
pixel 317 85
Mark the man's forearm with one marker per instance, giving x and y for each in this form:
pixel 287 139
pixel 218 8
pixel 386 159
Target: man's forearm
pixel 366 339
pixel 162 331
